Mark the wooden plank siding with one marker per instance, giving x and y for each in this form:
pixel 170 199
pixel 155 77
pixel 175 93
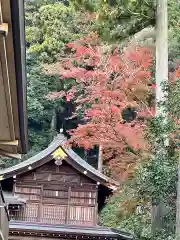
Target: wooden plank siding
pixel 56 195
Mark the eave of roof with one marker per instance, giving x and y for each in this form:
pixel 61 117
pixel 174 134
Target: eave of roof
pixel 12 199
pixel 13 137
pixel 77 162
pixel 95 231
pixel 47 155
pixel 18 30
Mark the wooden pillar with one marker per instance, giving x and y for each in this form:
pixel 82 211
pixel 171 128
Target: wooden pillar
pixel 161 54
pixel 100 160
pixel 68 206
pixel 161 95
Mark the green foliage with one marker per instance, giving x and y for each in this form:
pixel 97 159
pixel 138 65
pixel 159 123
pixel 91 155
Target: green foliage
pixel 50 26
pixel 174 106
pixel 125 18
pixel 119 19
pixel 39 107
pixel 7 162
pixel 174 99
pixel 173 11
pixel 174 33
pixel 154 181
pixel 89 5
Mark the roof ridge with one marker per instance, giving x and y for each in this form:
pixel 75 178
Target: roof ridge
pixel 73 159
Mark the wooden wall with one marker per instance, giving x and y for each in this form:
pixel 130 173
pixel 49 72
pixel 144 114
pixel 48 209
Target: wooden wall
pixel 56 195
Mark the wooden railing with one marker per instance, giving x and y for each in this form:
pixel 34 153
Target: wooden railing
pixel 56 214
pixel 65 206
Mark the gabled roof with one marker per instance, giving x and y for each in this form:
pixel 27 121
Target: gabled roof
pixel 58 144
pixel 13 118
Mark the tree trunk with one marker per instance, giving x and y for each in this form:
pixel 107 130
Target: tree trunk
pixel 100 160
pixel 161 55
pixel 178 205
pixel 53 125
pixel 161 95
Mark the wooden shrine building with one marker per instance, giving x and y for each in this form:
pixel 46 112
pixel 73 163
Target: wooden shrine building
pixel 57 195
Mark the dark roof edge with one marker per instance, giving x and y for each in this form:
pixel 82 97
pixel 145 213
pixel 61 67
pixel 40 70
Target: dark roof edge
pixel 76 161
pixel 69 229
pixel 123 234
pixel 18 29
pixel 35 161
pixel 46 155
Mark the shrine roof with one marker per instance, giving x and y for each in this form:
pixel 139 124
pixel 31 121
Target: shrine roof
pixel 58 144
pixel 67 231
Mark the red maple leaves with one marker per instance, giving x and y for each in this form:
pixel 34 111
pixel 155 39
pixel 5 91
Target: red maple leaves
pixel 107 83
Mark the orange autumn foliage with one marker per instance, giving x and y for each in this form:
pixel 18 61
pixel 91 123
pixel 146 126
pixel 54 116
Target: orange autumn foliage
pixel 107 83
